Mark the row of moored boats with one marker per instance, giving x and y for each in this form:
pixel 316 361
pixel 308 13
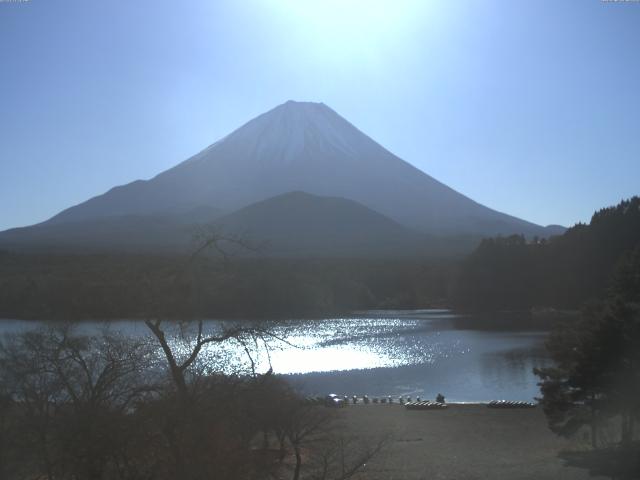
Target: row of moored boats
pixel 510 404
pixel 425 406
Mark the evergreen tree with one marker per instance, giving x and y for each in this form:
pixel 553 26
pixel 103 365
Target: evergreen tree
pixel 595 379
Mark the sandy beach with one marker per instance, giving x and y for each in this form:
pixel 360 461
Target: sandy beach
pixel 463 442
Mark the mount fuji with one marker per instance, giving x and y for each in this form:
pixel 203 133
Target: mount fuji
pixel 295 147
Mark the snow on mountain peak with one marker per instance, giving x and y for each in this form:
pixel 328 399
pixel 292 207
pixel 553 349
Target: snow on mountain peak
pixel 282 135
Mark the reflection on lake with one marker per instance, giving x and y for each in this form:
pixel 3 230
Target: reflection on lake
pixel 376 353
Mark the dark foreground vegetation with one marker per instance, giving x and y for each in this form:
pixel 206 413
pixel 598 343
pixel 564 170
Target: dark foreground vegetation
pixel 563 272
pixel 593 387
pixel 107 407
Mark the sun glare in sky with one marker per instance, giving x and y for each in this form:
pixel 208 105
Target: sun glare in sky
pixel 342 29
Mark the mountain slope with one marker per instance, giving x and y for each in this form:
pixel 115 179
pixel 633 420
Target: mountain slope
pixel 301 224
pixel 132 233
pixel 292 224
pixel 306 147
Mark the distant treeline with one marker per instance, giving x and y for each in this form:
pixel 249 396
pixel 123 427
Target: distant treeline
pixel 135 286
pixel 504 273
pixel 563 272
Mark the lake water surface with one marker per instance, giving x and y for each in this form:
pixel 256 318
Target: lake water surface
pixel 419 352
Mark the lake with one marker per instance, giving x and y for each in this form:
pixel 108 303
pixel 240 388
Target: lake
pixel 378 353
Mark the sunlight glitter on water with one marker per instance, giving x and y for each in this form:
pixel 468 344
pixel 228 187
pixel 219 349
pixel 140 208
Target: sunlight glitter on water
pixel 339 345
pixel 387 352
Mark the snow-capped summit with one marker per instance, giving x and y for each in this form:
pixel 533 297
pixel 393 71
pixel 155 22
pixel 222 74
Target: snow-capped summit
pixel 283 134
pixel 307 147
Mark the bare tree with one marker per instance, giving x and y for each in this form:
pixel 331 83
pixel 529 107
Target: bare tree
pixel 224 247
pixel 72 393
pixel 321 451
pixel 302 424
pixel 344 457
pixel 178 368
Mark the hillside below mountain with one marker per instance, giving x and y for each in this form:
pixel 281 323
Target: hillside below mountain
pixel 300 224
pixel 294 224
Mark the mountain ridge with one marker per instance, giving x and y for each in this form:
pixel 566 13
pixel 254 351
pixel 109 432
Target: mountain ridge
pixel 300 147
pixel 291 224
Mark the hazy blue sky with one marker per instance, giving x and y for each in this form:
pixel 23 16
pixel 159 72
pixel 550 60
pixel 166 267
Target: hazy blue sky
pixel 529 107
